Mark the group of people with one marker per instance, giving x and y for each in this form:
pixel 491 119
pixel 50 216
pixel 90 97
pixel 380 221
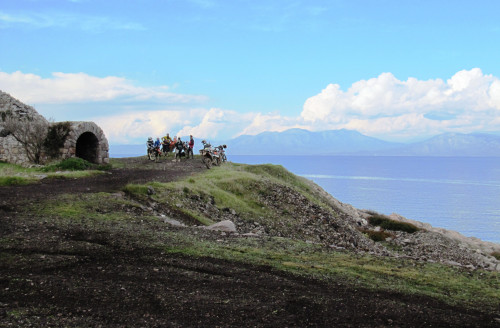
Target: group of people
pixel 168 144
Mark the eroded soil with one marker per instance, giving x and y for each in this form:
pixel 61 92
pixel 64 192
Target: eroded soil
pixel 75 275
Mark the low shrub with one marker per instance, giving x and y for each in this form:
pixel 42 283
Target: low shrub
pixel 56 136
pixel 135 189
pixel 376 235
pixel 388 224
pixel 75 164
pixel 496 255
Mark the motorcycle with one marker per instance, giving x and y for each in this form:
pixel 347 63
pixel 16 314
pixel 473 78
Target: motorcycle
pixel 209 155
pixel 189 150
pixel 154 153
pixel 222 153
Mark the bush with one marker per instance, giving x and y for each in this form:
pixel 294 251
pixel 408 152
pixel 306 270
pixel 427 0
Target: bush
pixel 388 224
pixel 56 136
pixel 69 164
pixel 378 235
pixel 496 255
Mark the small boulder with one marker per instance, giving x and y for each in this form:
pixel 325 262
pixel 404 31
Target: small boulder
pixel 226 225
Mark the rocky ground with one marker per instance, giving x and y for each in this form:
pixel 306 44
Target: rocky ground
pixel 74 275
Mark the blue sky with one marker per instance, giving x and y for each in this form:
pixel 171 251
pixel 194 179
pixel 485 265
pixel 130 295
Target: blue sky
pixel 396 70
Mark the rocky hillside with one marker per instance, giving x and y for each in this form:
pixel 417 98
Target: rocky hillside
pixel 267 200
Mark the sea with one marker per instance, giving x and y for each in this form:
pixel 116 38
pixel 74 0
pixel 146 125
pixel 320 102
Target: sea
pixel 455 193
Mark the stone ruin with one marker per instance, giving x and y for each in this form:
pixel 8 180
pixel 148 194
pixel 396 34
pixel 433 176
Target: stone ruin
pixel 85 139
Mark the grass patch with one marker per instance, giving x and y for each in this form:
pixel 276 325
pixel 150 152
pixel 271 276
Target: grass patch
pixel 136 190
pixel 242 188
pixel 98 207
pixel 14 180
pixel 73 168
pixel 69 164
pixel 388 224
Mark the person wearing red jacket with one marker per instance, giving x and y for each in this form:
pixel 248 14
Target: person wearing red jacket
pixel 191 146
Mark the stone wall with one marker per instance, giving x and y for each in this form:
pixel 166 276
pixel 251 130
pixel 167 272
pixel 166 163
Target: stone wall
pixel 85 139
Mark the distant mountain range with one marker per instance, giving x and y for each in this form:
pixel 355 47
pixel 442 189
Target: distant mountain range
pixel 304 142
pixel 344 142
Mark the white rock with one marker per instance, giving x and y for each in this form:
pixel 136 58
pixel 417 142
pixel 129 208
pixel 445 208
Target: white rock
pixel 173 222
pixel 226 225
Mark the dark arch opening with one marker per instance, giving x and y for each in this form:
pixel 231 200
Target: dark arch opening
pixel 86 147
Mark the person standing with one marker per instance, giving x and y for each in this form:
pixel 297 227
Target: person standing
pixel 191 146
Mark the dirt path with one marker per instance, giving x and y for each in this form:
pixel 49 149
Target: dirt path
pixel 136 170
pixel 49 276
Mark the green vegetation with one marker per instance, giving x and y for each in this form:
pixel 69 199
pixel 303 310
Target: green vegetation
pixel 11 181
pixel 12 174
pixel 386 223
pixel 69 164
pixel 377 235
pixel 56 136
pixel 235 186
pixel 496 255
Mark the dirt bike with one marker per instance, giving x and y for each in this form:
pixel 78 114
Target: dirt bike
pixel 222 153
pixel 154 153
pixel 182 152
pixel 209 156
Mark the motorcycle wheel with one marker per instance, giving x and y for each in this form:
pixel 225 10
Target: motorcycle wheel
pixel 208 162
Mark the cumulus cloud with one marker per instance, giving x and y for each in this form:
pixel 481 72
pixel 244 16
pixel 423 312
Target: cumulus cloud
pixel 272 122
pixel 81 87
pixel 386 106
pixel 218 123
pixel 134 127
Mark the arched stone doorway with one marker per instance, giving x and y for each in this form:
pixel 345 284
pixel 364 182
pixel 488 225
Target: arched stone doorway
pixel 87 146
pixel 86 140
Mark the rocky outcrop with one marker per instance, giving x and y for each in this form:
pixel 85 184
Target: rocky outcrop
pixel 10 149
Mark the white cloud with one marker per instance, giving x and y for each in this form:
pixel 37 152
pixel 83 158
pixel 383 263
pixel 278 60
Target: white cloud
pixel 272 122
pixel 95 24
pixel 218 123
pixel 387 107
pixel 383 107
pixel 134 127
pixel 81 87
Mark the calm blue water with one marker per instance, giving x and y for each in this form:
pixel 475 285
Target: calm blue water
pixel 461 194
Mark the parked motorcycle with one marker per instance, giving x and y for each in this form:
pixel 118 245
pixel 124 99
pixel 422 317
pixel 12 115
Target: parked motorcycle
pixel 154 153
pixel 222 153
pixel 209 155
